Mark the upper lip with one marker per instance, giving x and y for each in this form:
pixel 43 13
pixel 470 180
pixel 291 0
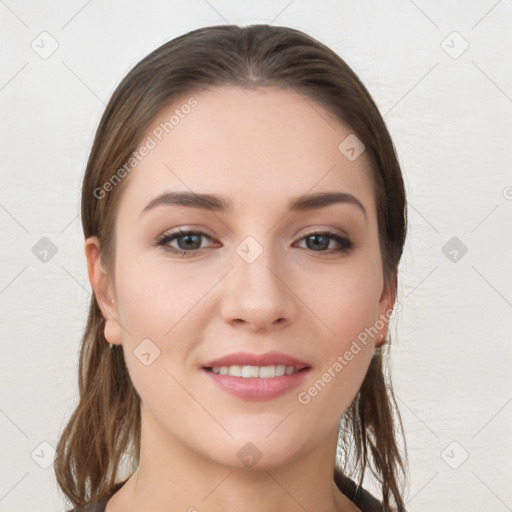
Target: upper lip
pixel 266 359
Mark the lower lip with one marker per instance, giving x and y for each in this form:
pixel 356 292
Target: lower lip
pixel 255 388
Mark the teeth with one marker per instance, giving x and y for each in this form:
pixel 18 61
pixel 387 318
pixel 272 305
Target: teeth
pixel 250 371
pixel 261 372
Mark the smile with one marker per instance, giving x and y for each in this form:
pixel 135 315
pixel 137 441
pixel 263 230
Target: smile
pixel 260 372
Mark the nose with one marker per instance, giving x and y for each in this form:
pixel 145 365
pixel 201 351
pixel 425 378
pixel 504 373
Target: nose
pixel 258 295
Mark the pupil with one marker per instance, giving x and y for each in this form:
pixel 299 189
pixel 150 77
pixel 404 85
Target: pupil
pixel 187 238
pixel 316 237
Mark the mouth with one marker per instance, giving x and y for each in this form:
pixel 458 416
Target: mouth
pixel 256 372
pixel 257 376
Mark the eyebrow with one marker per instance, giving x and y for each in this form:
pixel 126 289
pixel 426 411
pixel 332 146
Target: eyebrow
pixel 216 203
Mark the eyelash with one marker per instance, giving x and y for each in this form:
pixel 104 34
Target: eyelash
pixel 346 244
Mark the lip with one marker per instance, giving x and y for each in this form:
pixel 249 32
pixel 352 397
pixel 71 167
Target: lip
pixel 256 388
pixel 266 359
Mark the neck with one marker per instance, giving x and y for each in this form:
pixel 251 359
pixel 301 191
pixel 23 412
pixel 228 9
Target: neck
pixel 172 477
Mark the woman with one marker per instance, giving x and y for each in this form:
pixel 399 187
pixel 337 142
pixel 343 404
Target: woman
pixel 244 216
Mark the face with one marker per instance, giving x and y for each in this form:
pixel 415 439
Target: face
pixel 257 278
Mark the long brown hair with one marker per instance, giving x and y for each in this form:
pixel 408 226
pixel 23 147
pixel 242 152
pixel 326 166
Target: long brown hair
pixel 104 429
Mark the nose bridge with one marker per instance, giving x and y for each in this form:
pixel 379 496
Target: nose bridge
pixel 256 292
pixel 255 269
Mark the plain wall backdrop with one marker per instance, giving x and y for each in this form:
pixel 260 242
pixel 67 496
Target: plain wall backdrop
pixel 440 76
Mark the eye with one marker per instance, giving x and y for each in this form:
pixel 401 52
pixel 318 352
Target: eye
pixel 189 242
pixel 319 241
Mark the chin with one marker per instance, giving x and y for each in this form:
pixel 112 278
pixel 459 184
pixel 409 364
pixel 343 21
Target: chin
pixel 254 452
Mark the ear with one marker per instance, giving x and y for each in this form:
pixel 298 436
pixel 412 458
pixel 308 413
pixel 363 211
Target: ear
pixel 103 289
pixel 386 304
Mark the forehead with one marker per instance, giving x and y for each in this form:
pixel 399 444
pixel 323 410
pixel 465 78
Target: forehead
pixel 254 146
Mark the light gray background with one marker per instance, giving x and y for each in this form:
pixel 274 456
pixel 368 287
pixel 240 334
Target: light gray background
pixel 449 112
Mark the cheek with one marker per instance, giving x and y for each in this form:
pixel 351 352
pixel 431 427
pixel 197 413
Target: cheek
pixel 347 305
pixel 154 343
pixel 346 300
pixel 344 349
pixel 156 295
pixel 160 307
pixel 332 389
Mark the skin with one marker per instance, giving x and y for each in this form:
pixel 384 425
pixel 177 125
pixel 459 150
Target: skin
pixel 258 149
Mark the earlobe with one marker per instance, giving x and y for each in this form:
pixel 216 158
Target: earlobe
pixel 103 290
pixel 381 338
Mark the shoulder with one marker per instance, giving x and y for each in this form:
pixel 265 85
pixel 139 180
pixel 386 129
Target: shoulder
pixel 98 505
pixel 365 501
pixel 95 506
